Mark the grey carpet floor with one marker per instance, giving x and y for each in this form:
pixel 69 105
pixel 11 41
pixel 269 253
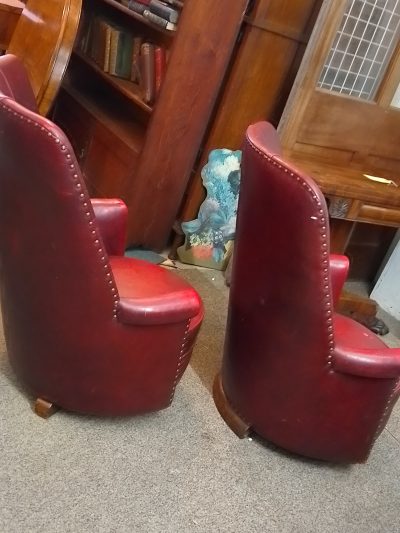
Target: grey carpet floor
pixel 181 470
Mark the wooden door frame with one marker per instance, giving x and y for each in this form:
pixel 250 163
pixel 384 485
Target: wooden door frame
pixel 326 26
pixel 324 31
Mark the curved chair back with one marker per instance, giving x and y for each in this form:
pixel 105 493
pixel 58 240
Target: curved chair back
pixel 293 370
pixel 43 40
pixel 282 243
pixel 86 328
pixel 53 264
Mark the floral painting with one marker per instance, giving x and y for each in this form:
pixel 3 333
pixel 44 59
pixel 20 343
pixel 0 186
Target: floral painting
pixel 208 238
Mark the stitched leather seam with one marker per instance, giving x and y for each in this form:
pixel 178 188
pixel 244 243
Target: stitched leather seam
pixel 327 297
pixel 84 200
pixel 181 358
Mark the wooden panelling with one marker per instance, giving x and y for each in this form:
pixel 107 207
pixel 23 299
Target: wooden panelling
pixel 317 50
pixel 379 215
pixel 352 183
pixel 102 162
pixel 262 71
pixel 324 153
pixel 353 119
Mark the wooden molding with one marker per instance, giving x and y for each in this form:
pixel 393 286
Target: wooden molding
pixel 277 29
pixel 324 31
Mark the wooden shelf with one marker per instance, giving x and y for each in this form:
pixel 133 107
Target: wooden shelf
pixel 129 89
pixel 120 124
pixel 138 17
pixel 128 149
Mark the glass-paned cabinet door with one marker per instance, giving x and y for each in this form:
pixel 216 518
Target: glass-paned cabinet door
pixel 362 49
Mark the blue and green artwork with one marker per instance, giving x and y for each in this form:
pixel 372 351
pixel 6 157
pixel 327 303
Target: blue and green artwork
pixel 208 238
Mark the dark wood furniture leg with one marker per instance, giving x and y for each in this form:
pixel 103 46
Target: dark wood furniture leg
pixel 237 425
pixel 44 408
pixel 361 309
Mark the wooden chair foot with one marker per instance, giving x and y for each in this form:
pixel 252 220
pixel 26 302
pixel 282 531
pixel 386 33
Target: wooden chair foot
pixel 44 408
pixel 232 419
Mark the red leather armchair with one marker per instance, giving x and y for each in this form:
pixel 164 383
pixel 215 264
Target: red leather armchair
pixel 304 378
pixel 86 328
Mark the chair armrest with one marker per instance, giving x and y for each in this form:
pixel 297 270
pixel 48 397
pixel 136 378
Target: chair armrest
pixel 373 363
pixel 112 219
pixel 339 268
pixel 165 309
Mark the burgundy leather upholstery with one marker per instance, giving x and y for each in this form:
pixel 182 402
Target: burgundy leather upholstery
pixel 86 330
pixel 14 81
pixel 306 379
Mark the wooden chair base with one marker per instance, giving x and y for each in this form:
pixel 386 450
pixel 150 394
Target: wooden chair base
pixel 44 408
pixel 232 419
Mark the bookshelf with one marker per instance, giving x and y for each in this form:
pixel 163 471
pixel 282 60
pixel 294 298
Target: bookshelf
pixel 140 148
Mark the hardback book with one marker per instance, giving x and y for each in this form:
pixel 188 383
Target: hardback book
pixel 147 72
pixel 160 66
pixel 164 11
pixel 135 71
pixel 137 7
pixel 121 49
pixel 174 3
pixel 155 11
pixel 159 21
pixel 113 50
pixel 104 44
pixel 98 41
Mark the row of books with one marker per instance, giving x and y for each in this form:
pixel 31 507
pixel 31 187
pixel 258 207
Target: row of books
pixel 163 13
pixel 120 53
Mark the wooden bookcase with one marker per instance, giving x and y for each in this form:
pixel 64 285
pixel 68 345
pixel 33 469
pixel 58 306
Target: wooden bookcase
pixel 145 153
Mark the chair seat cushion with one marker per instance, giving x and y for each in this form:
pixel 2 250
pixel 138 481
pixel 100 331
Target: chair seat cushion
pixel 352 334
pixel 150 294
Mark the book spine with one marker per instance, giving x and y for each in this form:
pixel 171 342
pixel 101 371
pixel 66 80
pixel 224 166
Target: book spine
pixel 164 11
pixel 147 72
pixel 174 3
pixel 124 55
pixel 106 64
pixel 135 71
pixel 137 7
pixel 160 65
pixel 113 50
pixel 143 2
pixel 159 21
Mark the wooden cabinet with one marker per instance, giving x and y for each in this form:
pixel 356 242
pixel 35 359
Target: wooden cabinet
pixel 140 152
pixel 106 150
